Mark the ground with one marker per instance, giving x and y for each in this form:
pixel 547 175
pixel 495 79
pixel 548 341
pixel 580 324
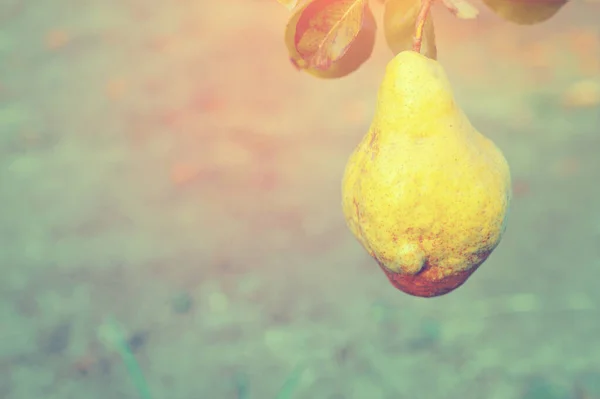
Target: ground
pixel 170 181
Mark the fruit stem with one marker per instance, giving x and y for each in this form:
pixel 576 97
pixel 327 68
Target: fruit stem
pixel 421 19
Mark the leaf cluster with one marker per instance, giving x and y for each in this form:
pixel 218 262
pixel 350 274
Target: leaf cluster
pixel 332 38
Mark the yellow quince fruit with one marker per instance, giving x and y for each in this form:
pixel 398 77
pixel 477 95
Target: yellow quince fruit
pixel 424 192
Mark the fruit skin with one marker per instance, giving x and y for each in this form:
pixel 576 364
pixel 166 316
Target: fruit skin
pixel 425 193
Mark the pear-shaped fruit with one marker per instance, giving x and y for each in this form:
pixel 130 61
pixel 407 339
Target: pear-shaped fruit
pixel 424 192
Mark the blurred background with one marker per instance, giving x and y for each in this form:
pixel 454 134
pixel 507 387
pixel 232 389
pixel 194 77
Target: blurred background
pixel 170 189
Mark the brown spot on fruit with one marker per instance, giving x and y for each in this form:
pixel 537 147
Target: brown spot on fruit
pixel 428 283
pixel 373 144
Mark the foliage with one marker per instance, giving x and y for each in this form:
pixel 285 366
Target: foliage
pixel 332 38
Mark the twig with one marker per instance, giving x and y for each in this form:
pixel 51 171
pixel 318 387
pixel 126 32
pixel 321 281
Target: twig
pixel 421 19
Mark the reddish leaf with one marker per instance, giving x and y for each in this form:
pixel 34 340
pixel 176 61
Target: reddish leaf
pixel 331 38
pixel 326 29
